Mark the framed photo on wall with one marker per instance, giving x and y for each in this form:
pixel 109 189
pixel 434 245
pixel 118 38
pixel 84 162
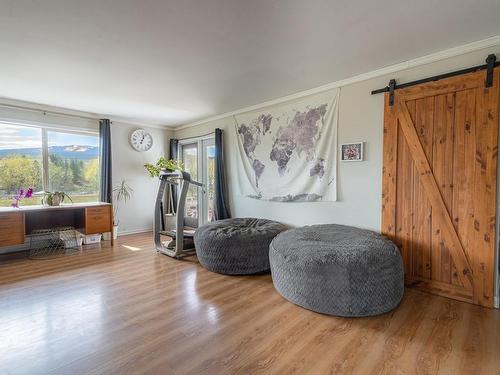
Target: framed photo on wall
pixel 352 151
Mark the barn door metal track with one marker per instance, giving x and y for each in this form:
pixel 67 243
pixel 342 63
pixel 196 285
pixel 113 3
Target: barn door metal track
pixel 491 63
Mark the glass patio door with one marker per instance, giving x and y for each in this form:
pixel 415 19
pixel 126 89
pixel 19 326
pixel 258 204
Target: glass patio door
pixel 208 180
pixel 190 158
pixel 198 157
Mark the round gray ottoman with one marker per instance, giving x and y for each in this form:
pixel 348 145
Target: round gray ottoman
pixel 337 270
pixel 236 246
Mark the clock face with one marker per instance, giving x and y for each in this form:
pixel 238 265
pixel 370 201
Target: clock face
pixel 141 140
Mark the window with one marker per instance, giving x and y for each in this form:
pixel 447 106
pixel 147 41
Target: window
pixel 74 165
pixel 48 160
pixel 21 162
pixel 199 161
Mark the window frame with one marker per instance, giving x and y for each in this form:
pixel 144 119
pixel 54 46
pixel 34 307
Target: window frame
pixel 45 144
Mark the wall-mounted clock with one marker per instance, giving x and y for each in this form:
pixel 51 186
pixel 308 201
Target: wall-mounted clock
pixel 141 140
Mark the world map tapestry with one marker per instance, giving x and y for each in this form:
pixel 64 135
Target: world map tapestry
pixel 288 151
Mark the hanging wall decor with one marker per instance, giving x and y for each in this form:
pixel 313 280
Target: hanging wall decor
pixel 352 151
pixel 288 151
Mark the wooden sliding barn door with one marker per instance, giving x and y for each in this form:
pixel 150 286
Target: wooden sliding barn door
pixel 439 184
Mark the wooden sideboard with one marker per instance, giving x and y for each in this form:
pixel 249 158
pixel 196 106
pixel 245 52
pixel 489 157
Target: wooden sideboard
pixel 88 218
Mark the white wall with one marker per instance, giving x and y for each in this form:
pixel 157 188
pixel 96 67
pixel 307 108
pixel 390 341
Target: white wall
pixel 359 184
pixel 137 214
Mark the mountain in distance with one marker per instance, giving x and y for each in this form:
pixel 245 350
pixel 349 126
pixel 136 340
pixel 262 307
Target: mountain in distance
pixel 65 152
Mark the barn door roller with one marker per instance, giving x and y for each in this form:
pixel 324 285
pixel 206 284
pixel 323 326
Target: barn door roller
pixel 491 63
pixel 392 87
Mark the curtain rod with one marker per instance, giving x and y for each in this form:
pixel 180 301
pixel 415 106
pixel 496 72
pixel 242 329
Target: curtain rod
pixel 197 136
pixel 45 112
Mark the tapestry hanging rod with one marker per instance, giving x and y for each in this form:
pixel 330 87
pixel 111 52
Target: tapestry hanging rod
pixel 491 63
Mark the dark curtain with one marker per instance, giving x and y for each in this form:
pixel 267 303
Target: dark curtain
pixel 174 147
pixel 221 203
pixel 106 190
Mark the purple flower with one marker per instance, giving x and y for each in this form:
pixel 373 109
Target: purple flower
pixel 22 194
pixel 29 193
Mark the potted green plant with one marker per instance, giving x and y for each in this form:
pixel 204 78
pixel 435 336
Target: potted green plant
pixel 122 192
pixel 55 198
pixel 163 164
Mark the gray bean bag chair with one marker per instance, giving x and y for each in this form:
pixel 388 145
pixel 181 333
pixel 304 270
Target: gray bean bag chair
pixel 337 270
pixel 236 246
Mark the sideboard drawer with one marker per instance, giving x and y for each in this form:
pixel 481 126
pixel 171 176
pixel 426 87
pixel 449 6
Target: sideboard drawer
pixel 98 210
pixel 11 229
pixel 98 220
pixel 12 218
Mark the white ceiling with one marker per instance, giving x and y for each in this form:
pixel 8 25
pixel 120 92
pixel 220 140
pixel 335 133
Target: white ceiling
pixel 171 62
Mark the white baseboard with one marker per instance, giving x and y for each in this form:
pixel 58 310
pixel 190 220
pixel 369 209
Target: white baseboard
pixel 134 231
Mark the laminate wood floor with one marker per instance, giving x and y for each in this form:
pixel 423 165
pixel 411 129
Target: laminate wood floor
pixel 128 310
